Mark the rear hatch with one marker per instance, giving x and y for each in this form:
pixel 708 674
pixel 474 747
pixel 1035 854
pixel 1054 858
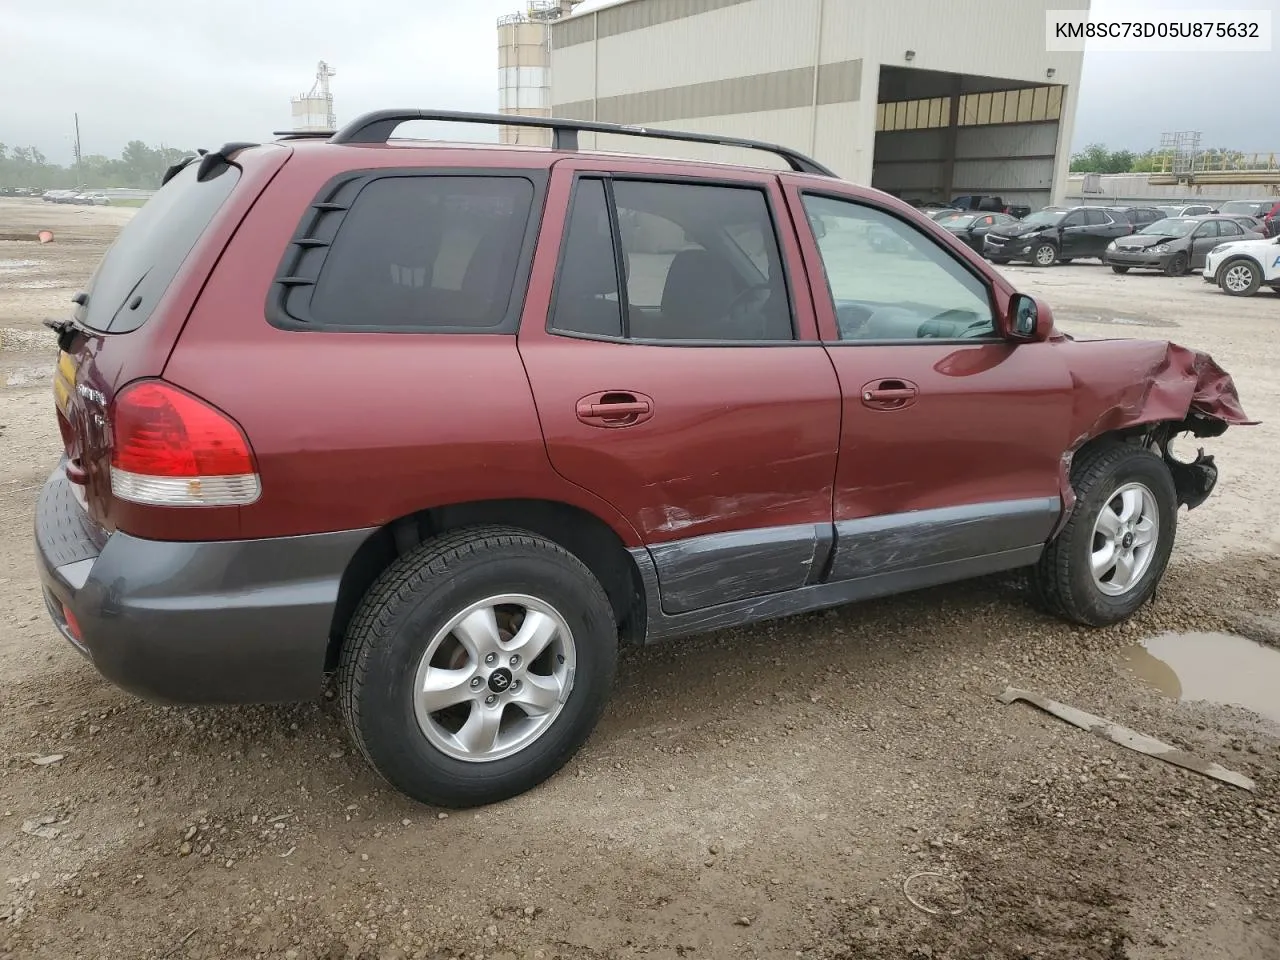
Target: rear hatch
pixel 129 316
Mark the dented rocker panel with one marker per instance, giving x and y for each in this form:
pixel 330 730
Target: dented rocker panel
pixel 722 580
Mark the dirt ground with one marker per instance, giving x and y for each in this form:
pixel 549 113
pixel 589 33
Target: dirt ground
pixel 758 793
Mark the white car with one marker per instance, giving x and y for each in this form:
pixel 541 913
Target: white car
pixel 1242 266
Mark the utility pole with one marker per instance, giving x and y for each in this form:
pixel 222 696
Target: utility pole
pixel 79 168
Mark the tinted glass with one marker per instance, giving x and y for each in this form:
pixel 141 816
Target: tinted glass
pixel 586 294
pixel 429 251
pixel 890 281
pixel 1076 218
pixel 1096 218
pixel 1229 228
pixel 702 263
pixel 149 251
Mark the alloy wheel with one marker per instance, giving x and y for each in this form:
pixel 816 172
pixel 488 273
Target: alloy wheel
pixel 1125 537
pixel 494 678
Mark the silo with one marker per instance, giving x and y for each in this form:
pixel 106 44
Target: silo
pixel 313 111
pixel 524 67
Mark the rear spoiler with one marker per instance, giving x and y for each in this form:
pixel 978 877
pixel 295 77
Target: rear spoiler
pixel 211 163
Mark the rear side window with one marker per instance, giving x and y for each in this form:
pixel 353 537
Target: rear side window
pixel 149 251
pixel 425 251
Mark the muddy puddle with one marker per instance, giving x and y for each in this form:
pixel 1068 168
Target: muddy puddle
pixel 1214 667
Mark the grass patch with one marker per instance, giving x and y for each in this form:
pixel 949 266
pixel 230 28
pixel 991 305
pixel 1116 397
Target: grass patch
pixel 127 203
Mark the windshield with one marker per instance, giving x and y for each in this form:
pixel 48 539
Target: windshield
pixel 1044 218
pixel 1247 207
pixel 961 221
pixel 1170 227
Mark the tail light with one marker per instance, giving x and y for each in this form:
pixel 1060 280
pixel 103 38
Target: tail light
pixel 174 450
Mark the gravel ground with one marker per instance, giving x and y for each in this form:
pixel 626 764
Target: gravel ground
pixel 758 793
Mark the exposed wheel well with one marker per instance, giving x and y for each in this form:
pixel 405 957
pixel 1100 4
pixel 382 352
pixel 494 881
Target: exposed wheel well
pixel 1237 258
pixel 584 535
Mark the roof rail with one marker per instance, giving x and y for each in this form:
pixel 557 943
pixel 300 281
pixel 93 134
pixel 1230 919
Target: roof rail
pixel 302 134
pixel 379 125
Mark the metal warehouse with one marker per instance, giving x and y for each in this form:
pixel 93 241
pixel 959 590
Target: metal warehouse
pixel 926 99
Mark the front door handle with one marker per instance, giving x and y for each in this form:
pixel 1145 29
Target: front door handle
pixel 614 408
pixel 889 394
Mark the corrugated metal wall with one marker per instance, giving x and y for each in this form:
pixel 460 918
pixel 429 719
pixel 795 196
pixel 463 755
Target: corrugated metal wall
pixel 747 67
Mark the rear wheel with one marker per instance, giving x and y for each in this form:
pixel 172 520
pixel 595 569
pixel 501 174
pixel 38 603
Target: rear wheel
pixel 1112 553
pixel 1240 278
pixel 1177 265
pixel 1119 269
pixel 476 666
pixel 1044 255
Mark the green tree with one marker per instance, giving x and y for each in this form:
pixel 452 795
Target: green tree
pixel 1096 158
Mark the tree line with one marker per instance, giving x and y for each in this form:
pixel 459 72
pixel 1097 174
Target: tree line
pixel 1097 158
pixel 138 165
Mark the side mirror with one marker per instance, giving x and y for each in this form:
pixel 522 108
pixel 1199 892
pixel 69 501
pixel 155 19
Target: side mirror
pixel 1030 319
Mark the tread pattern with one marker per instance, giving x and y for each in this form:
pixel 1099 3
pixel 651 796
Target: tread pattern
pixel 1051 581
pixel 403 580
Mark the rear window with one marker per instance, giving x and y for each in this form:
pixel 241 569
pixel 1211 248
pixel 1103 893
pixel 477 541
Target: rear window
pixel 149 251
pixel 423 252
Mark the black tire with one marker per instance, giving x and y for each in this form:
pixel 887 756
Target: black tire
pixel 1044 254
pixel 999 260
pixel 1119 269
pixel 1066 260
pixel 411 602
pixel 1246 267
pixel 1177 265
pixel 1062 582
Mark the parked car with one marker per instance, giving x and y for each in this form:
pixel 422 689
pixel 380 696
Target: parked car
pixel 1186 209
pixel 990 203
pixel 58 196
pixel 452 420
pixel 1051 236
pixel 972 228
pixel 1242 267
pixel 1139 216
pixel 1174 245
pixel 1248 208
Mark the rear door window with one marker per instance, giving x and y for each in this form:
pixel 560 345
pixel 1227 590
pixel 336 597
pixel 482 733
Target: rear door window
pixel 149 251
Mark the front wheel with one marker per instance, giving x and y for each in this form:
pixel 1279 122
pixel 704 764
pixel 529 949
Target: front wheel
pixel 1044 255
pixel 1240 279
pixel 1177 265
pixel 1119 269
pixel 476 665
pixel 1112 553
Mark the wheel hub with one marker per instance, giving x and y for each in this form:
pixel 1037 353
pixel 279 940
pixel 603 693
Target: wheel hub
pixel 1125 538
pixel 494 678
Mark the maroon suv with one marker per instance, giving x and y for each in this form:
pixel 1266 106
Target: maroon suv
pixel 453 420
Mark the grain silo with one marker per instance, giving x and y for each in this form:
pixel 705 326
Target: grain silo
pixel 313 111
pixel 524 66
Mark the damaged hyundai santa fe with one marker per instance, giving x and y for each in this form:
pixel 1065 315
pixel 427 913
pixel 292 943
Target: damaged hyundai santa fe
pixel 451 423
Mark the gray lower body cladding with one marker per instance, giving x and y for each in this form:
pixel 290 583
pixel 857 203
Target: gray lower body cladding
pixel 724 580
pixel 235 621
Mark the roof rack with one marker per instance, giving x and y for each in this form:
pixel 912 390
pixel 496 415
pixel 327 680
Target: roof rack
pixel 379 125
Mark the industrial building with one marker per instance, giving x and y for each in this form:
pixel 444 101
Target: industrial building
pixel 921 98
pixel 524 67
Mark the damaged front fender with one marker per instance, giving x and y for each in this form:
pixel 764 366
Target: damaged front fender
pixel 1149 391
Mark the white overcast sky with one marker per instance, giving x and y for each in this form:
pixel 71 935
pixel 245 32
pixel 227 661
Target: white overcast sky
pixel 199 74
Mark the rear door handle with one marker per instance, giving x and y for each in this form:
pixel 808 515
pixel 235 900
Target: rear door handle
pixel 614 408
pixel 889 394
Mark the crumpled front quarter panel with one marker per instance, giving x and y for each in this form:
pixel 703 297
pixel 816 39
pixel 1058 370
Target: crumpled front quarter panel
pixel 1127 383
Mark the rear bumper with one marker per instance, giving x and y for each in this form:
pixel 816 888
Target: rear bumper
pixel 235 621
